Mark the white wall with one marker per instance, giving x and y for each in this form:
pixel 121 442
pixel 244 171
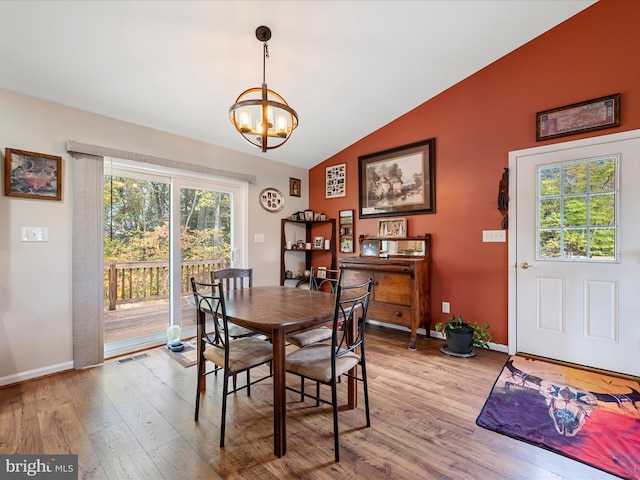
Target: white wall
pixel 35 278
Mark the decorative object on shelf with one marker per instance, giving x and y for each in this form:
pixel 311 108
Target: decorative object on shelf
pixel 370 248
pixel 318 242
pixel 503 198
pixel 336 181
pixel 32 175
pixel 275 119
pixel 346 231
pixel 596 114
pixel 271 199
pixel 294 187
pixel 308 215
pixel 398 181
pixel 392 228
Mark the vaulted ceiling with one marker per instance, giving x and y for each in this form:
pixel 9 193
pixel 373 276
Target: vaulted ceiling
pixel 347 67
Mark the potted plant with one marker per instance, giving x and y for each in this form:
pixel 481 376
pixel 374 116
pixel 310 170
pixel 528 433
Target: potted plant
pixel 462 337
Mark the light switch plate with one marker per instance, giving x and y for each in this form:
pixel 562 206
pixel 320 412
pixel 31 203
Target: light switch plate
pixel 34 234
pixel 494 236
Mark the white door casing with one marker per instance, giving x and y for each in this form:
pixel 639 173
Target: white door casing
pixel 581 312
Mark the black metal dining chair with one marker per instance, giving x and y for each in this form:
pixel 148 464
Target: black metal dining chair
pixel 328 282
pixel 230 356
pixel 325 363
pixel 235 278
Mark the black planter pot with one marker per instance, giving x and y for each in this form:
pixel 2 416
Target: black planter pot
pixel 460 340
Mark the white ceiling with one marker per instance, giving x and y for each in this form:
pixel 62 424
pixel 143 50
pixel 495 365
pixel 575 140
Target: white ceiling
pixel 346 67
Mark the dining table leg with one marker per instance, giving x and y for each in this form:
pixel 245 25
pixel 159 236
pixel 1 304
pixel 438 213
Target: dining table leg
pixel 279 394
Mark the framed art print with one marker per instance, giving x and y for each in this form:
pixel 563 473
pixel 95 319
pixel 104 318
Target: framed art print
pixel 32 175
pixel 596 114
pixel 399 181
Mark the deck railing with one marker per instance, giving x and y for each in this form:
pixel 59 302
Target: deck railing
pixel 130 282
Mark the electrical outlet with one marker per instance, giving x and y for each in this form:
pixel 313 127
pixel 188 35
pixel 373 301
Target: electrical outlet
pixel 445 307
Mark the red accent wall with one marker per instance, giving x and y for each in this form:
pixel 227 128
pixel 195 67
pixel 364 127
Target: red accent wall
pixel 476 123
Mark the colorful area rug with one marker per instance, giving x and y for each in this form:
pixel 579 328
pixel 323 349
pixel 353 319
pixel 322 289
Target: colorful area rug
pixel 590 417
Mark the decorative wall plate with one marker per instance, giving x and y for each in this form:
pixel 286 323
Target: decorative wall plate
pixel 271 199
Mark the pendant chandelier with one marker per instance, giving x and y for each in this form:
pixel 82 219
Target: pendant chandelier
pixel 263 117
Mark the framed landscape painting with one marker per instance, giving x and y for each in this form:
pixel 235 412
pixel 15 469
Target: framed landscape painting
pixel 399 181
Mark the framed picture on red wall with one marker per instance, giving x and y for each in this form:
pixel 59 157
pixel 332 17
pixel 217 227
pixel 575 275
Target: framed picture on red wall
pixel 399 181
pixel 336 181
pixel 596 114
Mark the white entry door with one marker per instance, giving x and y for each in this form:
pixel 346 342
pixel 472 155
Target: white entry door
pixel 575 256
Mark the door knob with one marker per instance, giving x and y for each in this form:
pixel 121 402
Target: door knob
pixel 525 265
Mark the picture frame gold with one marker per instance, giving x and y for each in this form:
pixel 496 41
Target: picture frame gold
pixel 32 175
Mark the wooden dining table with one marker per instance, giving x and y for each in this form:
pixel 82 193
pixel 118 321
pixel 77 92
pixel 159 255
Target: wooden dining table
pixel 277 312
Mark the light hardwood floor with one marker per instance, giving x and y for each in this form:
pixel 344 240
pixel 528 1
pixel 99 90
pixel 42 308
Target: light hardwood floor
pixel 135 421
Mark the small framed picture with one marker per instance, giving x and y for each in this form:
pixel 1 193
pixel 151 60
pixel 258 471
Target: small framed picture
pixel 346 245
pixel 371 248
pixel 318 243
pixel 294 187
pixel 336 181
pixel 392 228
pixel 32 175
pixel 308 215
pixel 317 216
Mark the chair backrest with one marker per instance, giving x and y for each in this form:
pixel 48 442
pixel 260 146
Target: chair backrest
pixel 233 277
pixel 210 304
pixel 350 315
pixel 329 278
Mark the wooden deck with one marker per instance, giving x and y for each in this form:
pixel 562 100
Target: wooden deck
pixel 137 319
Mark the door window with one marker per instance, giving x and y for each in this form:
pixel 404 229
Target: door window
pixel 577 205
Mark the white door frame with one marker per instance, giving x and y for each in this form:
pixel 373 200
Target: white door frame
pixel 513 209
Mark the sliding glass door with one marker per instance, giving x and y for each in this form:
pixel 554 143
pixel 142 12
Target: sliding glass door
pixel 162 228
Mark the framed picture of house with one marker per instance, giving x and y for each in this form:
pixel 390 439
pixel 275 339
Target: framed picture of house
pixel 32 175
pixel 399 181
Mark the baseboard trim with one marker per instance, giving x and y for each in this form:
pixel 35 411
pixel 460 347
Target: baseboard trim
pixel 433 334
pixel 35 373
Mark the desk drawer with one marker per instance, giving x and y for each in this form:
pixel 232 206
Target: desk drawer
pixel 385 312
